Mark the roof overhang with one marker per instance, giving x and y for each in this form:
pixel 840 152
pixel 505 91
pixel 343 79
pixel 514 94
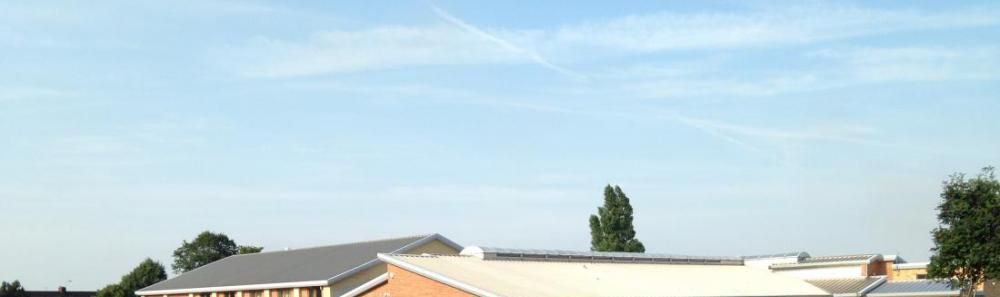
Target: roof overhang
pixel 286 285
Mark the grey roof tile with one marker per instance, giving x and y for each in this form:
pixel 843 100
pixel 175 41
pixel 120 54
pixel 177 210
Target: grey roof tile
pixel 298 265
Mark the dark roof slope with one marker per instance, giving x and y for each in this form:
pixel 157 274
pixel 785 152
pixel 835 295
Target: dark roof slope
pixel 846 285
pixel 299 265
pixel 915 287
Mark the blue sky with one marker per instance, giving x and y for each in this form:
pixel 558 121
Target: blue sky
pixel 736 127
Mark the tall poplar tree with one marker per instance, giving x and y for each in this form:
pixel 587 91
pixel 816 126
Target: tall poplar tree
pixel 611 228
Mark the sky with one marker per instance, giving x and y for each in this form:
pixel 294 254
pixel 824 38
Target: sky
pixel 735 127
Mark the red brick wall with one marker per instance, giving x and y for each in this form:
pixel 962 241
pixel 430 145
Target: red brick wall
pixel 878 268
pixel 403 283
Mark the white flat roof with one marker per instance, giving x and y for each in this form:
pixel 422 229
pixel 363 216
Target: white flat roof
pixel 506 277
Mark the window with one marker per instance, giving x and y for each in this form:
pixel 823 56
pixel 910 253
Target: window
pixel 283 293
pixel 253 294
pixel 921 276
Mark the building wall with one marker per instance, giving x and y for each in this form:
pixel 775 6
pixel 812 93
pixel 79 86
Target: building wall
pixel 908 274
pixel 345 285
pixel 377 291
pixel 824 272
pixel 403 283
pixel 878 268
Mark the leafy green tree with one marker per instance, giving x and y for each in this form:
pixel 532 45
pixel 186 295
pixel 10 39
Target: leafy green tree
pixel 967 240
pixel 12 289
pixel 206 248
pixel 249 249
pixel 146 274
pixel 611 228
pixel 113 290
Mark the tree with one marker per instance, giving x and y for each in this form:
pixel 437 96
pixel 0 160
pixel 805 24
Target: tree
pixel 611 228
pixel 249 249
pixel 12 289
pixel 967 240
pixel 206 248
pixel 112 290
pixel 146 274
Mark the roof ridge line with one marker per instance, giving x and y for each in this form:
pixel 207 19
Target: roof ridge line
pixel 415 237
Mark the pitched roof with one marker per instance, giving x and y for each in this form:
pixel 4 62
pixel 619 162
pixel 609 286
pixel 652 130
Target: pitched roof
pixel 509 277
pixel 915 288
pixel 847 286
pixel 316 266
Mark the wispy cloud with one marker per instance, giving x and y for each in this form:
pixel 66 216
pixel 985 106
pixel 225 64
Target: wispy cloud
pixel 10 93
pixel 462 43
pixel 388 47
pixel 683 31
pixel 507 45
pixel 887 64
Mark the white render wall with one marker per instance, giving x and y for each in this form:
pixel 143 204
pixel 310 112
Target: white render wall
pixel 823 272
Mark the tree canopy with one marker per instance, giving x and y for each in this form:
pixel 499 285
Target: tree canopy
pixel 146 274
pixel 611 228
pixel 967 240
pixel 113 290
pixel 206 248
pixel 12 289
pixel 249 249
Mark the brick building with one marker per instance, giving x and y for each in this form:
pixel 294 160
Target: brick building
pixel 309 272
pixel 543 273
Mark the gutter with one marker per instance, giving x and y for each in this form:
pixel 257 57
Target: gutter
pixel 315 283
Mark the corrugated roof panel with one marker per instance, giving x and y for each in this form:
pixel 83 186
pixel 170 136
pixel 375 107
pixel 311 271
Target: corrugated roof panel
pixel 928 287
pixel 844 285
pixel 844 258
